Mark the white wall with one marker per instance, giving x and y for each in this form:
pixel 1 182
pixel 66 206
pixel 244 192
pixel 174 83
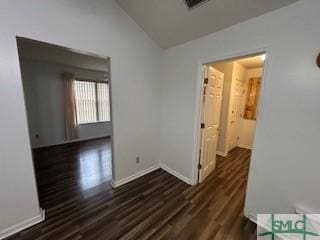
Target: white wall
pixel 285 162
pixel 246 133
pixel 44 96
pixel 96 26
pixel 247 127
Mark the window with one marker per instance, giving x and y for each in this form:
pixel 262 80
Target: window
pixel 92 101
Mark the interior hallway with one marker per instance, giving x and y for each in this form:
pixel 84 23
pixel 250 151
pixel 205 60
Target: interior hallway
pixel 80 203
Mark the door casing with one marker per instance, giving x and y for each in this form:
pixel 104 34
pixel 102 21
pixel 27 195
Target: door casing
pixel 199 89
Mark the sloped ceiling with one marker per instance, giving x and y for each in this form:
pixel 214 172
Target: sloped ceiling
pixel 170 22
pixel 40 51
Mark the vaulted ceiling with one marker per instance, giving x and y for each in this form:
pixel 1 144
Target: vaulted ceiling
pixel 40 51
pixel 170 22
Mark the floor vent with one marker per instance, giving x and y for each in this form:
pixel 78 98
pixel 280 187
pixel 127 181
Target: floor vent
pixel 194 3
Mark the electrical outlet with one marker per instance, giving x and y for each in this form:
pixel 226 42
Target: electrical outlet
pixel 137 160
pixel 37 136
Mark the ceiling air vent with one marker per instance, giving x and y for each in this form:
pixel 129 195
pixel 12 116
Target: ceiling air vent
pixel 194 3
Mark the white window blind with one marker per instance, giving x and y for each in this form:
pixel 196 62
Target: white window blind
pixel 103 102
pixel 92 100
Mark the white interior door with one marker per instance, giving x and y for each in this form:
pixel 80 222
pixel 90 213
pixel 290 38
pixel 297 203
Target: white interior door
pixel 212 97
pixel 236 113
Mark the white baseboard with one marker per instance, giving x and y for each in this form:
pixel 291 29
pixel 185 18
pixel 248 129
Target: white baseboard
pixel 245 146
pixel 304 210
pixel 23 225
pixel 222 154
pixel 116 184
pixel 253 218
pixel 113 184
pixel 175 173
pixel 313 214
pixel 69 141
pixel 123 181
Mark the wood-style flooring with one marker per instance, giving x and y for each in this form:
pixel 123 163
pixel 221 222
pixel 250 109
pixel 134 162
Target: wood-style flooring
pixel 74 189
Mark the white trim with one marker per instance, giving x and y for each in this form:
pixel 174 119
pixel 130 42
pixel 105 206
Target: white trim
pixel 245 146
pixel 299 210
pixel 23 225
pixel 253 218
pixel 113 184
pixel 116 184
pixel 198 105
pixel 304 210
pixel 313 214
pixel 97 122
pixel 175 173
pixel 222 154
pixel 70 141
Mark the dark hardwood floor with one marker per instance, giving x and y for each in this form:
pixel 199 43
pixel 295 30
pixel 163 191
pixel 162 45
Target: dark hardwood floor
pixel 74 188
pixel 73 171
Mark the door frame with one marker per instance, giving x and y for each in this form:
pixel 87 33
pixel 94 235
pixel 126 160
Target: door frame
pixel 92 54
pixel 197 127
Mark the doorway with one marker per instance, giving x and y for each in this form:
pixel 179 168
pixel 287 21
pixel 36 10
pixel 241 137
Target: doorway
pixel 68 106
pixel 230 106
